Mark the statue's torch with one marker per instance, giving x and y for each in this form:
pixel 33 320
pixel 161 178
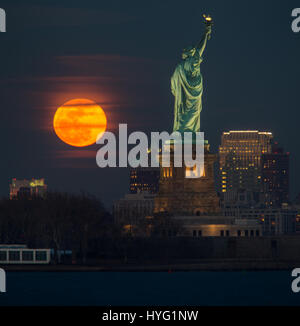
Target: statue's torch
pixel 208 22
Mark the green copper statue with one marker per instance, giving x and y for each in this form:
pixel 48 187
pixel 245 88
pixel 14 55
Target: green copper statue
pixel 187 85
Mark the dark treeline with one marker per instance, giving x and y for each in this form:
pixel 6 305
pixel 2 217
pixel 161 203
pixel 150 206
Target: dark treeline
pixel 78 223
pixel 60 222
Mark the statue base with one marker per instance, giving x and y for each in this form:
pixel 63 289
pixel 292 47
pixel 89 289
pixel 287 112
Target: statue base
pixel 179 195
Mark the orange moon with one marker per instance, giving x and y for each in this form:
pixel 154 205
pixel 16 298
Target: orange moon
pixel 79 122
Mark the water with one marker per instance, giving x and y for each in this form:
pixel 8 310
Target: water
pixel 149 288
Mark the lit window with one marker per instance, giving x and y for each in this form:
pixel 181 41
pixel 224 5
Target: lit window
pixel 195 172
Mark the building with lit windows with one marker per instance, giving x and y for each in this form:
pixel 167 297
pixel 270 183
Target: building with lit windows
pixel 274 221
pixel 240 159
pixel 19 189
pixel 298 222
pixel 218 226
pixel 144 180
pixel 296 205
pixel 275 177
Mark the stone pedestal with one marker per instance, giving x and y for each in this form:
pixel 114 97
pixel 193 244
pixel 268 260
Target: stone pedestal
pixel 180 196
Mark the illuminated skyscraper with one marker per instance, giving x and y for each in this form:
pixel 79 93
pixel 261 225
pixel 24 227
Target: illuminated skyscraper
pixel 240 156
pixel 275 177
pixel 144 180
pixel 27 188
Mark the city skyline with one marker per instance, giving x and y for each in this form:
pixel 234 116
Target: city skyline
pixel 150 175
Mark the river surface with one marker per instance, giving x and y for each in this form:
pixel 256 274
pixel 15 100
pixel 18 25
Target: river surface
pixel 149 288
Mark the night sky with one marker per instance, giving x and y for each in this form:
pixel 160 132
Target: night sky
pixel 122 54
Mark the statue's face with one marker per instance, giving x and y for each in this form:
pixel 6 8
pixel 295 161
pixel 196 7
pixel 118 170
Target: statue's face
pixel 189 52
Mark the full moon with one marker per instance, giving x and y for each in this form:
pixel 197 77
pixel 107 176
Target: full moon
pixel 79 122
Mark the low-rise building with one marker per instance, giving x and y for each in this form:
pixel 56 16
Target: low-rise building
pixel 275 221
pixel 131 209
pixel 28 189
pixel 21 254
pixel 218 226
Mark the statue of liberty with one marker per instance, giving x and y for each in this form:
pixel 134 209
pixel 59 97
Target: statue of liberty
pixel 187 85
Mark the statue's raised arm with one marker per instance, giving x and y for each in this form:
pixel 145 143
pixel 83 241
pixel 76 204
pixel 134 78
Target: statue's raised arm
pixel 200 47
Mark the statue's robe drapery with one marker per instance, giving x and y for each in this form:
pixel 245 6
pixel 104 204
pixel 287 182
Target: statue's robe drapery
pixel 187 87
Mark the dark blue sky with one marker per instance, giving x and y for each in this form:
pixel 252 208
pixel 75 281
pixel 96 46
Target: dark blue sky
pixel 122 54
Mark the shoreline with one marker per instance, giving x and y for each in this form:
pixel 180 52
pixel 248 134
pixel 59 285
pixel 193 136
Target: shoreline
pixel 215 265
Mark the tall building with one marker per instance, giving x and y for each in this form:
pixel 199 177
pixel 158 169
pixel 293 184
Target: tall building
pixel 144 180
pixel 275 176
pixel 27 188
pixel 240 158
